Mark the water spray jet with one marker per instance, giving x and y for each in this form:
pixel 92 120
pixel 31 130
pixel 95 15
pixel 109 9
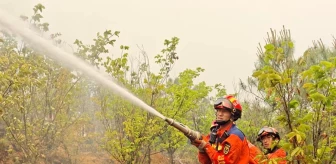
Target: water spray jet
pixel 16 26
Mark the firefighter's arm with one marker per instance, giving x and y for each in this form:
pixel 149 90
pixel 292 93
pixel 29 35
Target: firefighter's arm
pixel 232 148
pixel 206 153
pixel 255 153
pixel 251 161
pixel 211 152
pixel 203 158
pixel 232 151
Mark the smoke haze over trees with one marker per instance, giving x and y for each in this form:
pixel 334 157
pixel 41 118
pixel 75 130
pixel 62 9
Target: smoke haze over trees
pixel 50 114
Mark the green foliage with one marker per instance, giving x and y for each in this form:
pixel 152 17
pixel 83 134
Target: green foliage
pixel 93 52
pixel 45 107
pixel 52 113
pixel 38 100
pixel 301 93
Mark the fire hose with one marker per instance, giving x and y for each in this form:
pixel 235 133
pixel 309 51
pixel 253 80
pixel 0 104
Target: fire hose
pixel 191 134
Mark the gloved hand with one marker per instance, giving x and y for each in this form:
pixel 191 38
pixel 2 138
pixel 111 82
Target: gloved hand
pixel 200 144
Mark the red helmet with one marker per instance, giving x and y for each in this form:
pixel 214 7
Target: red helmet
pixel 266 131
pixel 230 103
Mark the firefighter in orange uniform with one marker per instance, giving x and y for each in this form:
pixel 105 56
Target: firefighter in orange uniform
pixel 225 144
pixel 255 153
pixel 269 138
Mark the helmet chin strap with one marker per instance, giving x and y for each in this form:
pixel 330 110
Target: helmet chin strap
pixel 222 122
pixel 272 149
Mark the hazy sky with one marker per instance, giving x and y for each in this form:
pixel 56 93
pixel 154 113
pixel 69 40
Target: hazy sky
pixel 219 36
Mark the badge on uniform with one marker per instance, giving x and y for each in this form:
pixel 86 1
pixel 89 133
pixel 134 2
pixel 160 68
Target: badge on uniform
pixel 227 147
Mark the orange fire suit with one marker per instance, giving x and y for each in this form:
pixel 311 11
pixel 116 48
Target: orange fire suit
pixel 231 147
pixel 279 154
pixel 255 152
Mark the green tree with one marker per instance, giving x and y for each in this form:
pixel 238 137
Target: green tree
pixel 37 99
pixel 298 92
pixel 180 101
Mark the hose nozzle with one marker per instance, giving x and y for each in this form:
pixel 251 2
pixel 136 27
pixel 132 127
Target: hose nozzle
pixel 191 134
